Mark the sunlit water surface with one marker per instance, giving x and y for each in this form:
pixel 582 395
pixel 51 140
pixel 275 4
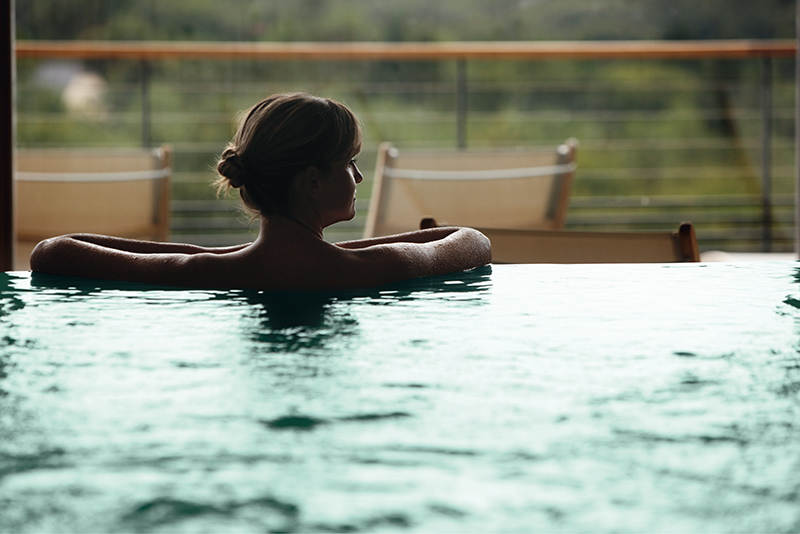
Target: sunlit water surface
pixel 513 398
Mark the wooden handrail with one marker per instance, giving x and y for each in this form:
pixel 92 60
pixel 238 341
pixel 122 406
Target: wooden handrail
pixel 365 51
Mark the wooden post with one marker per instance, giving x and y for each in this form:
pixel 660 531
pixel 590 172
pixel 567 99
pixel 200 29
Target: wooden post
pixel 797 134
pixel 461 104
pixel 147 137
pixel 766 154
pixel 7 234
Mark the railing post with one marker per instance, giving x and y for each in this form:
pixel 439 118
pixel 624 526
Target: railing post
pixel 797 133
pixel 7 140
pixel 766 154
pixel 461 103
pixel 146 114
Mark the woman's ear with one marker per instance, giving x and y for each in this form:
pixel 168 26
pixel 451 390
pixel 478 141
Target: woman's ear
pixel 309 182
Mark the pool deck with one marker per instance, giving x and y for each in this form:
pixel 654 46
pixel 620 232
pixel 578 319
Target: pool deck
pixel 721 256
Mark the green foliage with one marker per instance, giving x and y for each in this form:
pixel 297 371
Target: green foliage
pixel 409 20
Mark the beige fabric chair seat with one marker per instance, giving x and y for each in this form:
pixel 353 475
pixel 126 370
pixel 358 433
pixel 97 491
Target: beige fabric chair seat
pixel 119 192
pixel 490 188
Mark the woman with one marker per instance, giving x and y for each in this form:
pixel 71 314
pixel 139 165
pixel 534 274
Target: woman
pixel 292 162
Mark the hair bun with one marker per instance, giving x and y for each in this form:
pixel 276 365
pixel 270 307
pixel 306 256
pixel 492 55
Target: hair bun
pixel 230 166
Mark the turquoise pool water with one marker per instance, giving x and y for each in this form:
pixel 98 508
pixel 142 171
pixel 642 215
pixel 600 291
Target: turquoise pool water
pixel 622 398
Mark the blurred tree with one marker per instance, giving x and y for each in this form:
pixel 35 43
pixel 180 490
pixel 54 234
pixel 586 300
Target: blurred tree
pixel 409 20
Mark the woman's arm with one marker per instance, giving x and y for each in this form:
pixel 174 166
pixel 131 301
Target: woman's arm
pixel 419 236
pixel 148 247
pixel 111 258
pixel 74 256
pixel 414 255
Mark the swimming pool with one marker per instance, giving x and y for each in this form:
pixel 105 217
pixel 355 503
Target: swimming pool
pixel 552 398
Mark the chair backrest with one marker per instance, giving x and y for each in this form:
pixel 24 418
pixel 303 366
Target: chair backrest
pixel 489 188
pixel 120 192
pixel 564 246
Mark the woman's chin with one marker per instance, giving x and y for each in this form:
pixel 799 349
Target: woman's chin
pixel 343 218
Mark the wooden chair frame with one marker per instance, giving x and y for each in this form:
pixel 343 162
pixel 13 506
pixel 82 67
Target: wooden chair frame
pixel 564 246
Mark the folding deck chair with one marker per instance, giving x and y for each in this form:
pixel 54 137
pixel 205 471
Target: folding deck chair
pixel 119 192
pixel 487 188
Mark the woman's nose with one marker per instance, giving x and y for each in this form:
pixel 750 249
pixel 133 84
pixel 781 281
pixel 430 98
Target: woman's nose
pixel 359 177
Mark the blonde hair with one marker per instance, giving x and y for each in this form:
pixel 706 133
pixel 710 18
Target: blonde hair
pixel 279 137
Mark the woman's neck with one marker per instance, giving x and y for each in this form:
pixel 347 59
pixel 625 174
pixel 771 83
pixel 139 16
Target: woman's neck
pixel 281 220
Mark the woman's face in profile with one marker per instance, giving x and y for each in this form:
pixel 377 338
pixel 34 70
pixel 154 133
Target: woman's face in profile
pixel 339 191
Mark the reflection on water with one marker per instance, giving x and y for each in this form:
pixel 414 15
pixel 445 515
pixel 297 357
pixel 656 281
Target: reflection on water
pixel 291 322
pixel 516 398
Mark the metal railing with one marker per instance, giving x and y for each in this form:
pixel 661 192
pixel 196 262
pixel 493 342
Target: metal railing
pixel 669 130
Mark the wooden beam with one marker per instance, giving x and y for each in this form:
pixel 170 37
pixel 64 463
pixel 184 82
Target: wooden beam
pixel 370 51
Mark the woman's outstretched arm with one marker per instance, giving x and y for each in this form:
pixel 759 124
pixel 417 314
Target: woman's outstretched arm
pixel 93 258
pixel 146 247
pixel 379 261
pixel 112 258
pixel 418 236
